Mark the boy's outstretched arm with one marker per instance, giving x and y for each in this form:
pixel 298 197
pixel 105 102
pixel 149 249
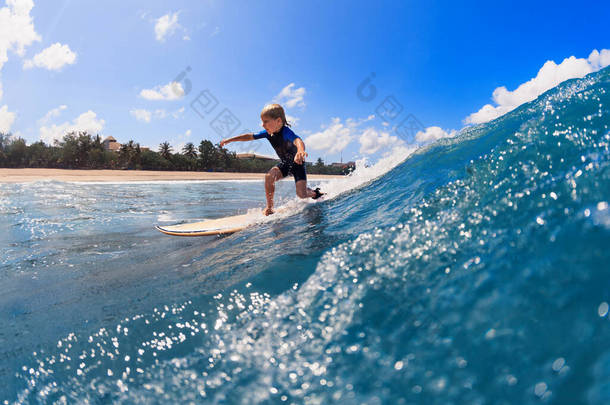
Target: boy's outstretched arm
pixel 300 156
pixel 242 137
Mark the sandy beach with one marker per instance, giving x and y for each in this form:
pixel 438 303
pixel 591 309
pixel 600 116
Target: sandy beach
pixel 29 175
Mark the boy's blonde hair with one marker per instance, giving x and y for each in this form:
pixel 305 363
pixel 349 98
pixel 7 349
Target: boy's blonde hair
pixel 274 111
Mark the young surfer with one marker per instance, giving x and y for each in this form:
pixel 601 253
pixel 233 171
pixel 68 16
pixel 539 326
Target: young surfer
pixel 289 148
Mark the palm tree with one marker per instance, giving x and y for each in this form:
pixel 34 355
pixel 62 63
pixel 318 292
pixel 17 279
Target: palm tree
pixel 4 142
pixel 207 154
pixel 84 144
pixel 165 150
pixel 125 154
pixel 189 151
pixel 136 154
pixel 129 154
pixel 97 142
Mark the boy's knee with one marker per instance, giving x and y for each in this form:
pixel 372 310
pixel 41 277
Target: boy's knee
pixel 273 175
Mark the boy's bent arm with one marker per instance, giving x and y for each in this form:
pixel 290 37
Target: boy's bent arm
pixel 300 144
pixel 299 158
pixel 243 137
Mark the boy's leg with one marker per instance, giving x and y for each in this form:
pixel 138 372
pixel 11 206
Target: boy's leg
pixel 303 191
pixel 271 177
pixel 300 181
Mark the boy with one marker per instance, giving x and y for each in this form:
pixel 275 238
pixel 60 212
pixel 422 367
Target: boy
pixel 289 148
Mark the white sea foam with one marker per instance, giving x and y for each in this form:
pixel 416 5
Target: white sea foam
pixel 362 175
pixel 162 182
pixel 166 217
pixel 365 173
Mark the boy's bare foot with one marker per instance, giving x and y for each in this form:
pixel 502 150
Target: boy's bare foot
pixel 268 211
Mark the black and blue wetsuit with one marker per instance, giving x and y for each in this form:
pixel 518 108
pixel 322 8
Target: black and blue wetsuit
pixel 283 143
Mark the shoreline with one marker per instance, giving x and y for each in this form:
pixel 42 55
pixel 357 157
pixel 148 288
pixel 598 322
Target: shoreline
pixel 29 175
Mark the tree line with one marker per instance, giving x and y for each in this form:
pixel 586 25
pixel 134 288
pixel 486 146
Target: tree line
pixel 81 150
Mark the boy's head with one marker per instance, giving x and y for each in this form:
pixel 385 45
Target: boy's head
pixel 273 117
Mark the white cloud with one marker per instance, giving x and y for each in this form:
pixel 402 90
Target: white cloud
pixel 147 116
pixel 179 113
pixel 398 153
pixel 55 112
pixel 370 117
pixel 171 91
pixel 336 136
pixel 16 33
pixel 291 96
pixel 53 58
pixel 141 115
pixel 182 140
pixel 178 148
pixel 143 14
pixel 87 121
pixel 599 60
pixel 432 134
pixel 549 76
pixel 6 119
pixel 16 28
pixel 294 121
pixel 372 140
pixel 166 25
pixel 333 139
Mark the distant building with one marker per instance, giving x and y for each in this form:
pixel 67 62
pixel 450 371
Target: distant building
pixel 111 144
pixel 255 156
pixel 343 165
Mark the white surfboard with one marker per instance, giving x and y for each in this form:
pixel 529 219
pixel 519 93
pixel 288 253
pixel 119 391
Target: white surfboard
pixel 220 226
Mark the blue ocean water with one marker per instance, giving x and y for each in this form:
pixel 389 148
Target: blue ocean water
pixel 476 271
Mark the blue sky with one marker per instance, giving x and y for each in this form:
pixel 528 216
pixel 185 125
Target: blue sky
pixel 88 65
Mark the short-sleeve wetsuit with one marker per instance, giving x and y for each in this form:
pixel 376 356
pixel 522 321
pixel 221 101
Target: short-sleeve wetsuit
pixel 283 143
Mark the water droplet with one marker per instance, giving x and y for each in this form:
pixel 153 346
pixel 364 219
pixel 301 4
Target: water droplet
pixel 540 389
pixel 558 364
pixel 602 310
pixel 490 334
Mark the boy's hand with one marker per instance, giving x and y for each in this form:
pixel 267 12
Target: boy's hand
pixel 299 158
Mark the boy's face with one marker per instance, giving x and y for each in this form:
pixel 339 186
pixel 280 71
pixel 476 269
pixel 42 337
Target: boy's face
pixel 271 125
